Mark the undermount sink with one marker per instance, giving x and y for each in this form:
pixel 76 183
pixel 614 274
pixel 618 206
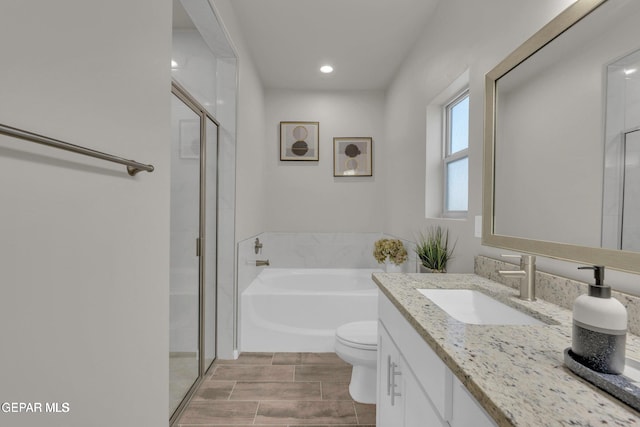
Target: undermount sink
pixel 476 308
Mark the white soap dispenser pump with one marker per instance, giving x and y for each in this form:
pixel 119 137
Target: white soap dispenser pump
pixel 599 327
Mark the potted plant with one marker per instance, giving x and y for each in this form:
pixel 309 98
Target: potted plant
pixel 390 252
pixel 433 250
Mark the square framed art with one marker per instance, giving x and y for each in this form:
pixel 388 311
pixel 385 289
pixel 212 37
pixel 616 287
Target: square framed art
pixel 299 141
pixel 352 156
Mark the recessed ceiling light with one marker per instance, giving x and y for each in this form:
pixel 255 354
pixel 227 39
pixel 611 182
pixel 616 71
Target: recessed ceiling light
pixel 174 64
pixel 326 69
pixel 628 71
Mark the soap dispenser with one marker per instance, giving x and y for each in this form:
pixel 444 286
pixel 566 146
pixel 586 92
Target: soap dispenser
pixel 599 327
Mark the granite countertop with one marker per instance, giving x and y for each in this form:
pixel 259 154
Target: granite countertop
pixel 516 373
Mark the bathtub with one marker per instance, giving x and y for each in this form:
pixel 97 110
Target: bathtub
pixel 298 310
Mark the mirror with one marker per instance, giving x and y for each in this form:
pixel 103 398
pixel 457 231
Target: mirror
pixel 558 174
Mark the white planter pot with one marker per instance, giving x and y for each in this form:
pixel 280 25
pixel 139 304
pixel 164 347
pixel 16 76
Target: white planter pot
pixel 392 268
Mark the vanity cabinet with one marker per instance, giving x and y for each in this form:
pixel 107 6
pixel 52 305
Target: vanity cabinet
pixel 401 399
pixel 415 388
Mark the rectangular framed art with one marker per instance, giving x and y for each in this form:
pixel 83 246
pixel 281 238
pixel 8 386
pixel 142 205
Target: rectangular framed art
pixel 352 156
pixel 299 141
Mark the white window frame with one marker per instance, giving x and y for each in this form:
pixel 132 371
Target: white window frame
pixel 448 157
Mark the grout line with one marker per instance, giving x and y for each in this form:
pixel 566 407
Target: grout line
pixel 255 415
pixel 232 389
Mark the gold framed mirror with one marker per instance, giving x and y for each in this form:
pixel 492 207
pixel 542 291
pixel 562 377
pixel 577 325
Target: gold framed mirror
pixel 547 129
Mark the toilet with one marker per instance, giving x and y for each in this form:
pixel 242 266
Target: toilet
pixel 357 344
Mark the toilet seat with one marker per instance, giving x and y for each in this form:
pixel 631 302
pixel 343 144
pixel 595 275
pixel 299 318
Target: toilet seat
pixel 361 335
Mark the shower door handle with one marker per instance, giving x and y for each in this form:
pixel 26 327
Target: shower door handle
pixel 198 246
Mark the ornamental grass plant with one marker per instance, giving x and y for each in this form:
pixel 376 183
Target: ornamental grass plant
pixel 433 249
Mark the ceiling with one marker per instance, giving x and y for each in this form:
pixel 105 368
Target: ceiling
pixel 364 40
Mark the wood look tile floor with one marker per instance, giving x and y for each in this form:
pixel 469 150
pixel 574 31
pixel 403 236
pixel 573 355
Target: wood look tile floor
pixel 277 390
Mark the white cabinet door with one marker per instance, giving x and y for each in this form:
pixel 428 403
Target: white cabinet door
pixel 415 387
pixel 389 410
pixel 418 408
pixel 401 399
pixel 466 410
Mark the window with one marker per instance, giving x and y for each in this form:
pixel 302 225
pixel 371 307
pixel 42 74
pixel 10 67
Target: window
pixel 456 156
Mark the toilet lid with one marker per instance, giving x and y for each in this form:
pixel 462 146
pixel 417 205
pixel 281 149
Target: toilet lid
pixel 360 334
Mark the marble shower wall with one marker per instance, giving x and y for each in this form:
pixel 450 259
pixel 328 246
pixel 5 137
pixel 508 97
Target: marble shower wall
pixel 312 250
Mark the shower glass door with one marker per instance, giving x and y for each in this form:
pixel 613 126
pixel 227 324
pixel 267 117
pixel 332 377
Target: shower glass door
pixel 194 225
pixel 184 298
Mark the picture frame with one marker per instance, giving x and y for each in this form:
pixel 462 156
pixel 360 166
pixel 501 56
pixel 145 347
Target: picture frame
pixel 352 156
pixel 299 141
pixel 189 138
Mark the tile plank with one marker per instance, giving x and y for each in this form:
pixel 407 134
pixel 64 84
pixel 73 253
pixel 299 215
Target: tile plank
pixel 219 412
pixel 304 412
pixel 276 391
pixel 329 373
pixel 253 373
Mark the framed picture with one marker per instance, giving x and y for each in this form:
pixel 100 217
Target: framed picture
pixel 299 141
pixel 352 156
pixel 190 138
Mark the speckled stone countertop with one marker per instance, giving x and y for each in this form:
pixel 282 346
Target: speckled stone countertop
pixel 516 373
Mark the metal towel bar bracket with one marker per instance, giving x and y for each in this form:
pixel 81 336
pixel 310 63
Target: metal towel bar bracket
pixel 133 167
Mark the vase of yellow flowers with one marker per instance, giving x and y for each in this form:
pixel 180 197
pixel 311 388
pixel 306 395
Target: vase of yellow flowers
pixel 390 252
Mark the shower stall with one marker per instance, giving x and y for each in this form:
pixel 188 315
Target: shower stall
pixel 194 151
pixel 203 95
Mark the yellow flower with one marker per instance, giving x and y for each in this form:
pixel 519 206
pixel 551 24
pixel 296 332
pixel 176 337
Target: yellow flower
pixel 393 249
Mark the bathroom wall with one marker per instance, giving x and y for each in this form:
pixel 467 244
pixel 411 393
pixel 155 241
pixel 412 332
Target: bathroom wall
pixel 488 31
pixel 305 196
pixel 492 29
pixel 84 252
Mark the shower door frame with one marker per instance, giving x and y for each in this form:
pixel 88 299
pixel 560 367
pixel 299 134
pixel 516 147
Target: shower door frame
pixel 183 95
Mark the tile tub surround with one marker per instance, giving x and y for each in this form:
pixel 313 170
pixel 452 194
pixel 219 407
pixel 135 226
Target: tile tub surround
pixel 516 373
pixel 555 289
pixel 278 390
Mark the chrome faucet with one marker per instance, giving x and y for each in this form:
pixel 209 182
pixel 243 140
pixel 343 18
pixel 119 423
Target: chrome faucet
pixel 262 262
pixel 527 275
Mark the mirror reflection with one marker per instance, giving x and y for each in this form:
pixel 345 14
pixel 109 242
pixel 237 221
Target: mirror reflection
pixel 567 146
pixel 621 198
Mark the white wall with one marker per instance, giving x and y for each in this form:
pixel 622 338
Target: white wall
pixel 249 154
pixel 493 29
pixel 84 253
pixel 305 196
pixel 250 187
pixel 489 30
